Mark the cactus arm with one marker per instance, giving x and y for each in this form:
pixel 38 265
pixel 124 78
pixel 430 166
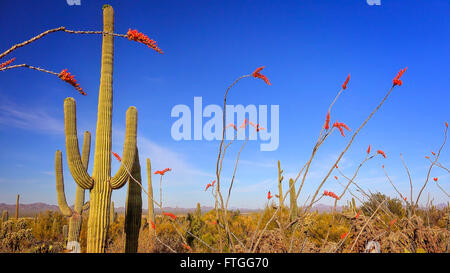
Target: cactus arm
pixel 86 206
pixel 79 196
pixel 61 196
pixel 129 150
pixel 78 171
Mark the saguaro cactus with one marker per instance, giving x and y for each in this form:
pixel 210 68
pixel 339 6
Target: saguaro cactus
pixel 293 199
pixel 112 213
pixel 5 216
pixel 101 184
pixel 76 218
pixel 151 207
pixel 133 208
pixel 280 186
pixel 17 207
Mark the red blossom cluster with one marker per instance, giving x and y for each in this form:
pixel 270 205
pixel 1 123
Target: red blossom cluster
pixel 344 86
pixel 210 185
pixel 381 153
pixel 392 222
pixel 163 171
pixel 142 38
pixel 256 74
pixel 357 215
pixel 435 179
pixel 171 215
pixel 397 80
pixel 65 76
pixel 368 150
pixel 117 156
pixel 256 126
pixel 186 246
pixel 7 63
pixel 341 125
pixel 153 224
pixel 327 121
pixel 244 124
pixel 344 235
pixel 331 194
pixel 232 125
pixel 269 195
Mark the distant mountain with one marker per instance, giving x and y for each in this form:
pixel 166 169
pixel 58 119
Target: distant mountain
pixel 35 208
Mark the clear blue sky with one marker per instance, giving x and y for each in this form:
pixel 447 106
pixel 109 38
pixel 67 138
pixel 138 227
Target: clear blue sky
pixel 308 48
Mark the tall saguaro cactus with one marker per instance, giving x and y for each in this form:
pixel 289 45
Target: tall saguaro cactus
pixel 17 206
pixel 101 184
pixel 133 208
pixel 280 186
pixel 75 215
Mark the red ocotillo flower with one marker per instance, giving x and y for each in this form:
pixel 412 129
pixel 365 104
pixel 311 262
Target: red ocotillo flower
pixel 396 80
pixel 65 76
pixel 357 215
pixel 435 179
pixel 327 121
pixel 142 38
pixel 405 198
pixel 269 195
pixel 243 125
pixel 344 86
pixel 7 63
pixel 256 126
pixel 163 171
pixel 335 177
pixel 214 182
pixel 117 156
pixel 339 125
pixel 207 186
pixel 446 124
pixel 337 166
pixel 171 215
pixel 256 74
pixel 232 125
pixel 381 153
pixel 331 194
pixel 344 235
pixel 427 157
pixel 214 222
pixel 186 246
pixel 368 150
pixel 153 224
pixel 433 153
pixel 392 222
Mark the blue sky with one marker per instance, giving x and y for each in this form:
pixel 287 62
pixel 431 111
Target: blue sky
pixel 307 47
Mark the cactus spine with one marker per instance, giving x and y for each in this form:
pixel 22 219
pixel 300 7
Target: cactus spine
pixel 101 184
pixel 280 187
pixel 17 207
pixel 133 208
pixel 151 207
pixel 5 216
pixel 75 215
pixel 293 199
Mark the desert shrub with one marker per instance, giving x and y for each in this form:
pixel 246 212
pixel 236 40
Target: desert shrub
pixel 393 205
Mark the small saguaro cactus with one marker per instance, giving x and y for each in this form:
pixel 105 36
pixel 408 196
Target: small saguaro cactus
pixel 280 187
pixel 76 218
pixel 151 207
pixel 133 208
pixel 101 183
pixel 293 199
pixel 5 216
pixel 112 213
pixel 17 206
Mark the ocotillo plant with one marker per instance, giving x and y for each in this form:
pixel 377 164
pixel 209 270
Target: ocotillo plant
pixel 151 207
pixel 76 218
pixel 133 208
pixel 101 184
pixel 17 206
pixel 293 199
pixel 5 216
